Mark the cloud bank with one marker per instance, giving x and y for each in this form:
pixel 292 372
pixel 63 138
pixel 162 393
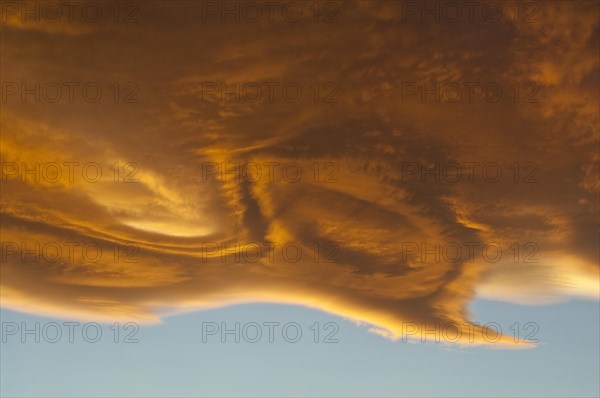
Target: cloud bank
pixel 363 134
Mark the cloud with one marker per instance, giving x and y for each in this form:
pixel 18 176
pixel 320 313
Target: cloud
pixel 359 136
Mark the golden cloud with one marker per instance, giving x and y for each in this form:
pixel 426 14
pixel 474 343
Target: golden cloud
pixel 151 183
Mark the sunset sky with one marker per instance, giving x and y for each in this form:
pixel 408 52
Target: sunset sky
pixel 385 167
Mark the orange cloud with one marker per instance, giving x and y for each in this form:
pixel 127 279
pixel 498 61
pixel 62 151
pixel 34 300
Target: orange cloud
pixel 174 205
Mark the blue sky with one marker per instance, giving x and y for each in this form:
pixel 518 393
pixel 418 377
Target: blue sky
pixel 170 359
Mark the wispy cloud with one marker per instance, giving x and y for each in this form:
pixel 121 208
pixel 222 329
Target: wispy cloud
pixel 361 134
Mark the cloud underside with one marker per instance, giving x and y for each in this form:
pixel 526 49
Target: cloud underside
pixel 369 134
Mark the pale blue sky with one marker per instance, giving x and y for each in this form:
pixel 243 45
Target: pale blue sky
pixel 171 359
